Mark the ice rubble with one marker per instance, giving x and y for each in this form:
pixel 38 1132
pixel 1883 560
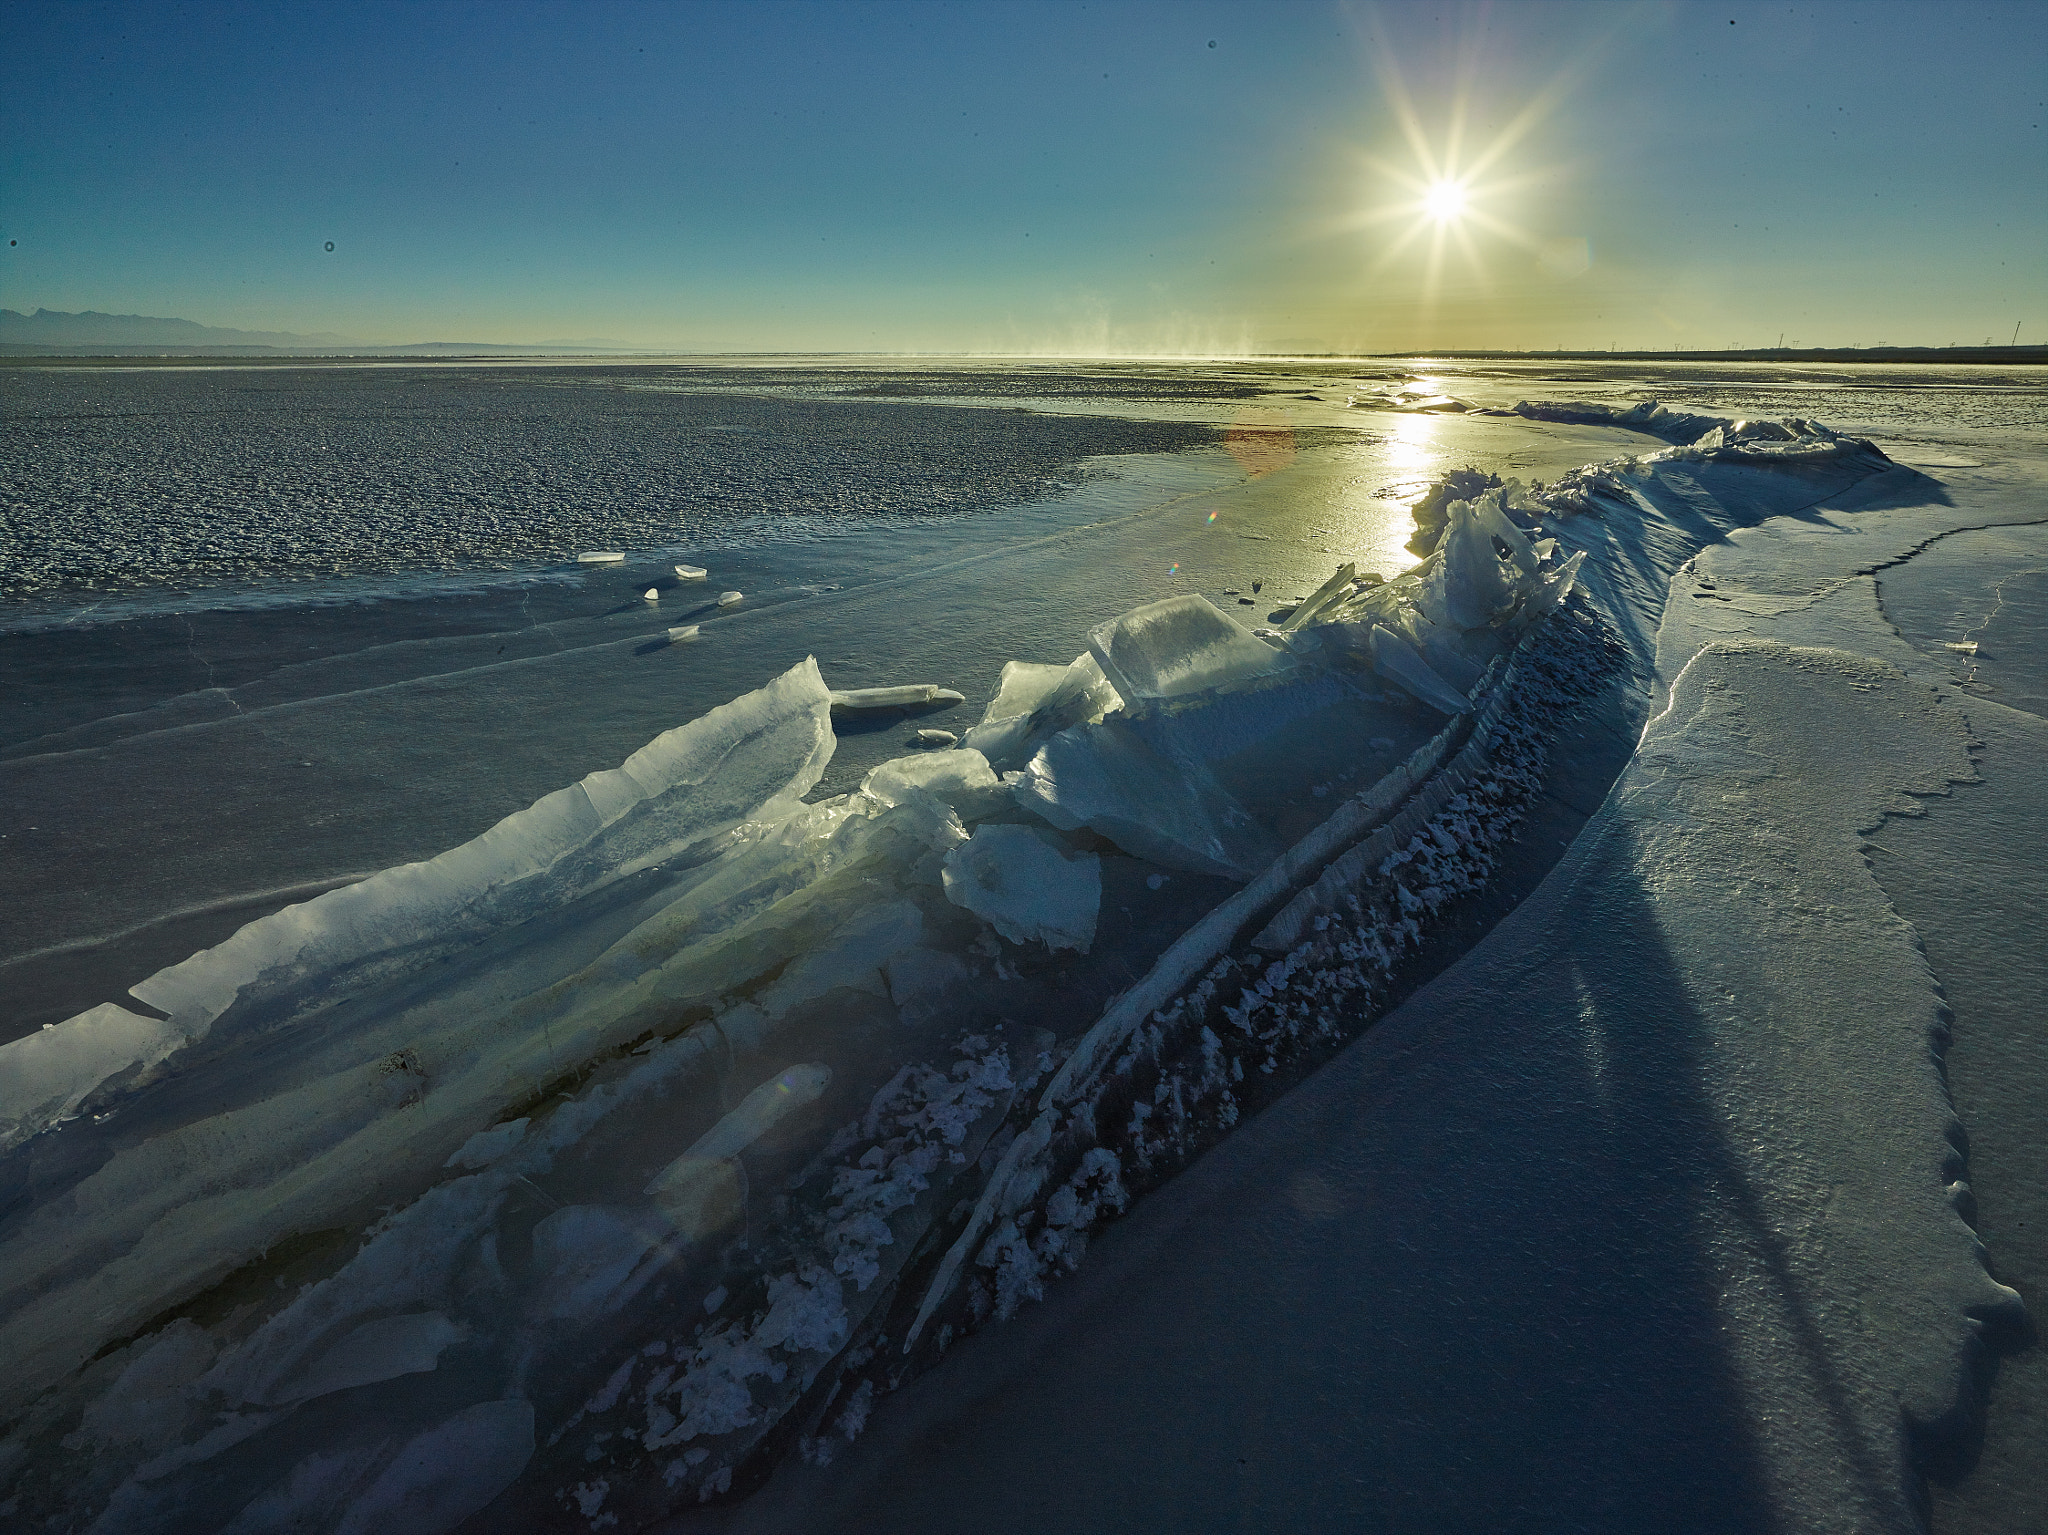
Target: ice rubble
pixel 844 935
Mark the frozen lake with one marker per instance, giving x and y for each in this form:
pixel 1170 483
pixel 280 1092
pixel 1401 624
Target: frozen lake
pixel 323 622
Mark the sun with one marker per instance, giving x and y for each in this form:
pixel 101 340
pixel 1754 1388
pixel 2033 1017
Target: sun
pixel 1444 201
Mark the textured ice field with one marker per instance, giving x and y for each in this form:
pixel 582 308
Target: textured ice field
pixel 118 479
pixel 722 942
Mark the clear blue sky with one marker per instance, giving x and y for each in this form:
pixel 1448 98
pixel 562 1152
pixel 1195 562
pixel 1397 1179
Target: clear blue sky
pixel 1025 176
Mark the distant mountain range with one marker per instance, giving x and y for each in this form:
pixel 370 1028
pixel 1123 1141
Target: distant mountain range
pixel 54 333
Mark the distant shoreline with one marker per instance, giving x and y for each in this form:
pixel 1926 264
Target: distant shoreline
pixel 14 356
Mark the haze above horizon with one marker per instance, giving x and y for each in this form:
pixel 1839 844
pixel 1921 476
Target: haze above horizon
pixel 1140 178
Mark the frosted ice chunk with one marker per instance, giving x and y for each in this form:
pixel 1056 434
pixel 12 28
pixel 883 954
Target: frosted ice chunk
pixel 913 696
pixel 937 738
pixel 682 634
pixel 1024 686
pixel 446 1474
pixel 960 777
pixel 600 557
pixel 652 594
pixel 1027 889
pixel 1082 694
pixel 1106 777
pixel 695 1191
pixel 381 1350
pixel 1467 584
pixel 1400 662
pixel 747 761
pixel 691 572
pixel 727 599
pixel 1180 645
pixel 46 1075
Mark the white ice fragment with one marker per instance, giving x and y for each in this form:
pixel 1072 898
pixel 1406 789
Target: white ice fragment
pixel 1014 879
pixel 486 1146
pixel 693 1189
pixel 911 696
pixel 714 1300
pixel 936 738
pixel 1961 647
pixel 727 599
pixel 44 1076
pixel 1180 645
pixel 682 634
pixel 691 572
pixel 1401 663
pixel 652 594
pixel 447 1473
pixel 381 1350
pixel 600 557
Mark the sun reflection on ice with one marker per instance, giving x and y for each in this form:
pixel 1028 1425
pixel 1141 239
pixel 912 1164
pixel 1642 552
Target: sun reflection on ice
pixel 1411 443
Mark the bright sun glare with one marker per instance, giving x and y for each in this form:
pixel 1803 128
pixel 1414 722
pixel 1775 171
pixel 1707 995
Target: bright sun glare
pixel 1447 194
pixel 1444 201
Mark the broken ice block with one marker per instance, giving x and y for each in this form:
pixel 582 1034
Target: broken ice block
pixel 936 738
pixel 1106 777
pixel 1177 646
pixel 600 557
pixel 691 572
pixel 1024 686
pixel 1401 663
pixel 1467 585
pixel 1028 890
pixel 727 599
pixel 652 594
pixel 913 696
pixel 44 1076
pixel 960 778
pixel 698 1190
pixel 1080 693
pixel 682 633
